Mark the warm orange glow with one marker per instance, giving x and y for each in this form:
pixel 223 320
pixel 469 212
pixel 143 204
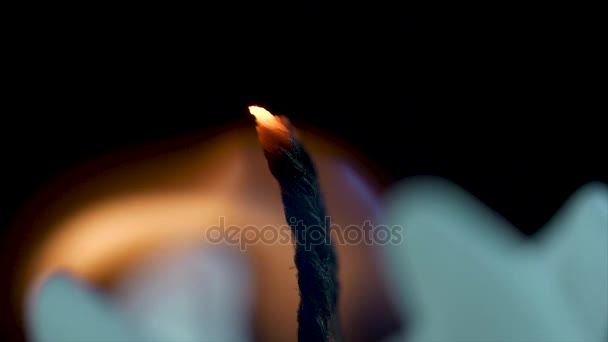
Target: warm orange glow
pixel 114 222
pixel 266 119
pixel 272 132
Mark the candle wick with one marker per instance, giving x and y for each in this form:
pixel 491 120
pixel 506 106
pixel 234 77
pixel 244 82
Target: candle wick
pixel 303 203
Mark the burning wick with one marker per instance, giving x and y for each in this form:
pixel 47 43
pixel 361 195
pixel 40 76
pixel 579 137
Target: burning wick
pixel 273 131
pixel 265 118
pixel 315 257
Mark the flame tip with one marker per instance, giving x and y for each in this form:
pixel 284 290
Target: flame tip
pixel 265 118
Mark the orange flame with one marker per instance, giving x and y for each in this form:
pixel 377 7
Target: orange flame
pixel 266 119
pixel 272 131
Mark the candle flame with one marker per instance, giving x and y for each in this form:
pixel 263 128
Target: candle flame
pixel 271 130
pixel 260 113
pixel 265 118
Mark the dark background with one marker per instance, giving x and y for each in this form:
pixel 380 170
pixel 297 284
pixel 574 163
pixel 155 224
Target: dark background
pixel 503 101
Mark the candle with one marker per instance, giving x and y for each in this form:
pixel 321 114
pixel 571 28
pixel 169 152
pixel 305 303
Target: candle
pixel 459 270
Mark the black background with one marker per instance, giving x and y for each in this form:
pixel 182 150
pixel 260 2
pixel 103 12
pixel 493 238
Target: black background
pixel 503 101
